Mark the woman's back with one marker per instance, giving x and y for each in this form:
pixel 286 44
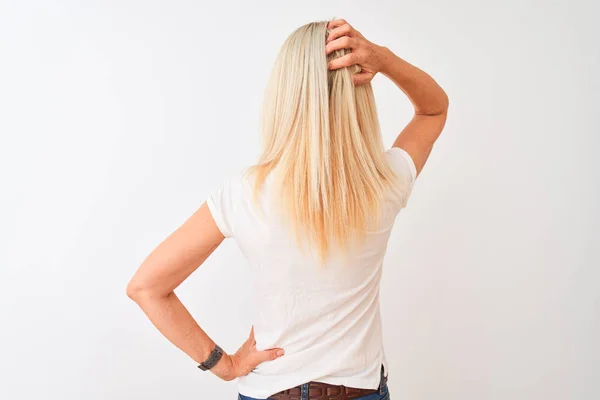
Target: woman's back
pixel 326 317
pixel 323 179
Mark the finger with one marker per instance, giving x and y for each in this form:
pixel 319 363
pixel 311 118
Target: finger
pixel 343 30
pixel 344 42
pixel 343 61
pixel 362 78
pixel 270 354
pixel 335 23
pixel 250 341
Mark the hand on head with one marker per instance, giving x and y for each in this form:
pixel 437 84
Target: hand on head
pixel 366 54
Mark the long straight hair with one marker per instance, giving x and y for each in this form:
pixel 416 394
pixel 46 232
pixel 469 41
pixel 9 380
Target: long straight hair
pixel 321 140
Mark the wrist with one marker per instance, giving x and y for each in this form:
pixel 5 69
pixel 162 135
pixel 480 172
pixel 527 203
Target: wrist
pixel 386 57
pixel 225 368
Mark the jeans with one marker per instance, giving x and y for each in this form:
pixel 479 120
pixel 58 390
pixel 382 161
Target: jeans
pixel 381 394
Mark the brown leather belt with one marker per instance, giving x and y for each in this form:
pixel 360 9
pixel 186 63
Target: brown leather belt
pixel 326 391
pixel 323 391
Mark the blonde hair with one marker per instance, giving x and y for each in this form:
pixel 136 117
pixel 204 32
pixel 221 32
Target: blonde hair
pixel 322 142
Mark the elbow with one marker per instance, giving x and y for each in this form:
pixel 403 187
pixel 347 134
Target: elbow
pixel 442 108
pixel 437 108
pixel 133 290
pixel 136 290
pixel 445 102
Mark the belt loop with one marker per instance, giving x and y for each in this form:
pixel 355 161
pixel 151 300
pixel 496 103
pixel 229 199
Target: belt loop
pixel 304 391
pixel 381 381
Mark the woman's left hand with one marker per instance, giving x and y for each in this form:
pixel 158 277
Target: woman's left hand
pixel 369 56
pixel 244 360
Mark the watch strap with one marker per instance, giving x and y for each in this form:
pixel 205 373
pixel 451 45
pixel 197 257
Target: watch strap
pixel 213 358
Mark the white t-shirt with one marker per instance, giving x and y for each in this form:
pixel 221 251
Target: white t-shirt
pixel 326 319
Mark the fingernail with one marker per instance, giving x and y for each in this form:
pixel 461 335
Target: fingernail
pixel 279 352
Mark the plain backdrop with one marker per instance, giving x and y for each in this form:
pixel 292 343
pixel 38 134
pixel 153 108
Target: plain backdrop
pixel 117 118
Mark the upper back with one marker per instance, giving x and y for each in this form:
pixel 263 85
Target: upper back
pixel 268 243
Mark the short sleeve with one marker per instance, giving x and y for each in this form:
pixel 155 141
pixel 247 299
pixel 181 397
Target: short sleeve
pixel 221 203
pixel 404 166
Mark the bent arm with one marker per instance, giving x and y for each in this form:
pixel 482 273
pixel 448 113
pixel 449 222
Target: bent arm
pixel 168 265
pixel 430 103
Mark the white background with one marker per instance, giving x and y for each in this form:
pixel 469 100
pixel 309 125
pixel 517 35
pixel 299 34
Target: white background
pixel 118 117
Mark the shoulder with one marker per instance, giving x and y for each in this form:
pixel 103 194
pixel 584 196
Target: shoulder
pixel 404 167
pixel 226 199
pixel 402 163
pixel 235 184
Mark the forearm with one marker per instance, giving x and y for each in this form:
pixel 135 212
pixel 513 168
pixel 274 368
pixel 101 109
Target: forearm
pixel 427 97
pixel 173 320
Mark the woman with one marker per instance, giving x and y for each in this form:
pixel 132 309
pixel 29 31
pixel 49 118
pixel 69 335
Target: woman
pixel 313 217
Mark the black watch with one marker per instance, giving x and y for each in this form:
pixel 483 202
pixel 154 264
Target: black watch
pixel 212 359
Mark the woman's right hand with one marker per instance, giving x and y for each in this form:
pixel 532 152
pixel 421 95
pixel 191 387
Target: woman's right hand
pixel 370 57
